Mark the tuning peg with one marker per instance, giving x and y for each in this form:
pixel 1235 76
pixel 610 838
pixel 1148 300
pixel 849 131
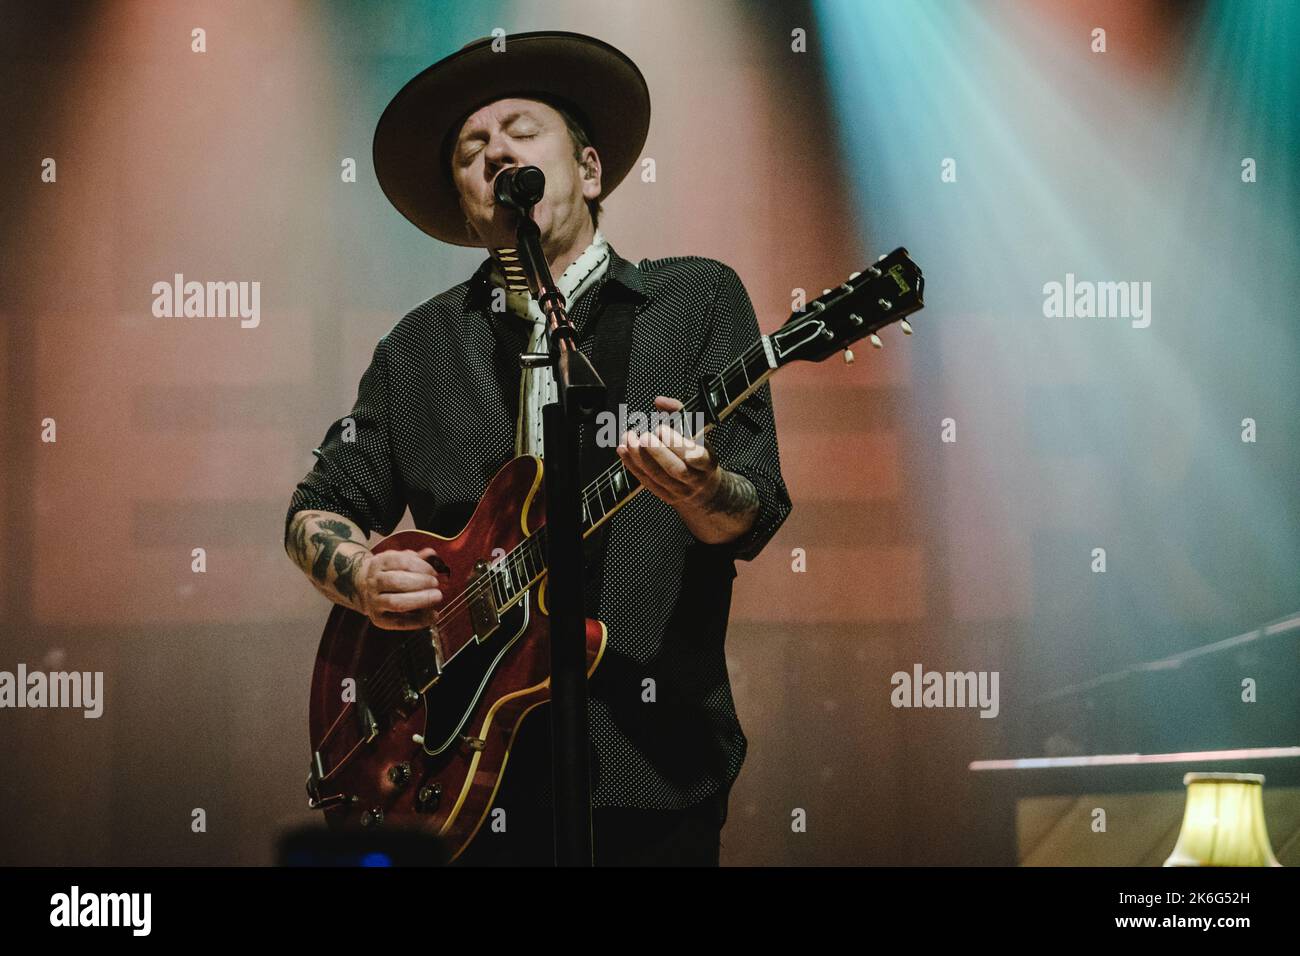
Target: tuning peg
pixel 905 326
pixel 875 340
pixel 854 275
pixel 848 356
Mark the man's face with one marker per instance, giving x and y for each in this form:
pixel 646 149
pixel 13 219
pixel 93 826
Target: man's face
pixel 523 132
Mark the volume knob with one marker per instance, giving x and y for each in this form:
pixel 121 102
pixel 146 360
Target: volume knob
pixel 427 800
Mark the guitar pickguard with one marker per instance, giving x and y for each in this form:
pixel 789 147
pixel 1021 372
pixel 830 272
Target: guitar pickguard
pixel 450 702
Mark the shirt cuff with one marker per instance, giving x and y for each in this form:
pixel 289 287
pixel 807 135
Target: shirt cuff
pixel 773 507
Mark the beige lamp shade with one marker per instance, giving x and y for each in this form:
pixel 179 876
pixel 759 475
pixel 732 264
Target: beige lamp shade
pixel 1223 822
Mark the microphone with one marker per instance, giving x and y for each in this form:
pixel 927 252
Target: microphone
pixel 520 187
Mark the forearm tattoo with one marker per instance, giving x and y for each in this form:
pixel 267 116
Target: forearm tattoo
pixel 345 567
pixel 736 495
pixel 323 541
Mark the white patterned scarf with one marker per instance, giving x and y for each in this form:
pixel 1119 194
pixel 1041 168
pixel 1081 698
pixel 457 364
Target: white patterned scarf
pixel 537 385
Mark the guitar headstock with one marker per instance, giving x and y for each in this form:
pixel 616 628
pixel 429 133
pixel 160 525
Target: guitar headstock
pixel 886 292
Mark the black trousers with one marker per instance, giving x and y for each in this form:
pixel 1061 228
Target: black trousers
pixel 621 836
pixel 519 829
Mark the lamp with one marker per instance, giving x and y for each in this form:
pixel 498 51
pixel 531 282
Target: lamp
pixel 1223 822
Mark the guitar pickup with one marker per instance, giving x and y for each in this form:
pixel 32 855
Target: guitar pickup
pixel 483 613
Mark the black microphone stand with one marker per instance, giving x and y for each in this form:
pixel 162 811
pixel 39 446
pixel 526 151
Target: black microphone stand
pixel 581 396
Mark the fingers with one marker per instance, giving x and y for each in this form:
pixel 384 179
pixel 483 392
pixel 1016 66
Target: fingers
pixel 669 439
pixel 655 466
pixel 649 456
pixel 663 445
pixel 667 452
pixel 405 560
pixel 403 591
pixel 695 455
pixel 388 563
pixel 399 590
pixel 404 580
pixel 401 602
pixel 418 621
pixel 699 456
pixel 406 611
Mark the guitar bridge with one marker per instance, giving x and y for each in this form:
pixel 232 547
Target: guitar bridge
pixel 366 722
pixel 314 779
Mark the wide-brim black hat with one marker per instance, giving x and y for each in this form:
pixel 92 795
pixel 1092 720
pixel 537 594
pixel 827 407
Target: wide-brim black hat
pixel 597 84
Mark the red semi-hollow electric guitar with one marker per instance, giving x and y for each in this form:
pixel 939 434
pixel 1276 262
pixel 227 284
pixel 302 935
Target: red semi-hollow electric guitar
pixel 414 728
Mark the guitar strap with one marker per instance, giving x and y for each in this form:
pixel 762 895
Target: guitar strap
pixel 611 354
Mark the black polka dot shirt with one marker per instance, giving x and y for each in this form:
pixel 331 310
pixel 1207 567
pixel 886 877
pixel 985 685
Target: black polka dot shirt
pixel 435 418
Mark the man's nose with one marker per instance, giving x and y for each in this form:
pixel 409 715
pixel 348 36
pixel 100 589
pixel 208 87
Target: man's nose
pixel 499 155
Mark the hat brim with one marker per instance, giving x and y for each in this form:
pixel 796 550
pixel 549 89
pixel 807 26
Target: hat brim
pixel 604 88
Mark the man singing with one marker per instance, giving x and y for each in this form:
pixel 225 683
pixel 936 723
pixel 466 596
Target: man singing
pixel 444 404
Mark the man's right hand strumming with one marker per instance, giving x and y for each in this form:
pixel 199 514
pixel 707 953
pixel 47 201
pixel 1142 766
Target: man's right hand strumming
pixel 396 590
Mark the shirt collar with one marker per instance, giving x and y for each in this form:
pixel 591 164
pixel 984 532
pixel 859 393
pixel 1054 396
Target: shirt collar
pixel 621 271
